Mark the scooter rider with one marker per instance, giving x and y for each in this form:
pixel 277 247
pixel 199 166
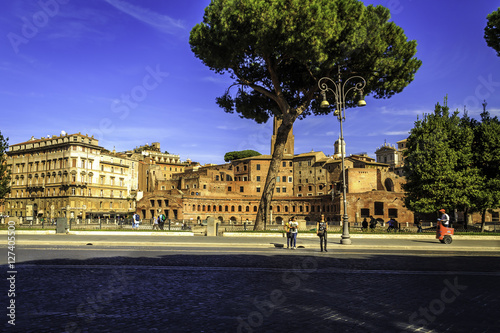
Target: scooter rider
pixel 445 219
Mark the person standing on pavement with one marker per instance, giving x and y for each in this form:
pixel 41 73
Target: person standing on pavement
pixel 364 224
pixel 373 223
pixel 294 226
pixel 321 231
pixel 287 231
pixel 445 219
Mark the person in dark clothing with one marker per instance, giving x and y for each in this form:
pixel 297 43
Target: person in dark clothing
pixel 373 223
pixel 321 231
pixel 392 225
pixel 364 225
pixel 419 226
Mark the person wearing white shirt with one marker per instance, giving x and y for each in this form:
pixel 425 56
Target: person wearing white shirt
pixel 445 218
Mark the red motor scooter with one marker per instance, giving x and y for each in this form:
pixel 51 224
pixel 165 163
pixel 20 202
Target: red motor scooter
pixel 444 233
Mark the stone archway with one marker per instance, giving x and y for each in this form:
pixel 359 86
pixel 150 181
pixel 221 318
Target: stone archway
pixel 389 185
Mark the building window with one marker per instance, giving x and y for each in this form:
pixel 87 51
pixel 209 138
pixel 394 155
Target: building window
pixel 290 179
pixel 284 190
pixel 241 188
pixel 258 178
pixel 379 208
pixel 229 188
pixel 257 189
pixel 393 212
pixel 278 190
pixel 258 166
pixel 365 212
pixel 284 163
pixel 278 179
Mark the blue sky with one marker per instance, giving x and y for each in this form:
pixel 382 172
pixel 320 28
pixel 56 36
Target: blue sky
pixel 123 71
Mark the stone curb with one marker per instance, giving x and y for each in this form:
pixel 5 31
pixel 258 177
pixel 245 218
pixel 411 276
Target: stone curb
pixel 337 246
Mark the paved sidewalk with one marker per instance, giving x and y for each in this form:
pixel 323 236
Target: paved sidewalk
pixel 426 242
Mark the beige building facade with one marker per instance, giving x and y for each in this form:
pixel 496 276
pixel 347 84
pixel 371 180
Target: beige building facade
pixel 69 175
pixel 307 186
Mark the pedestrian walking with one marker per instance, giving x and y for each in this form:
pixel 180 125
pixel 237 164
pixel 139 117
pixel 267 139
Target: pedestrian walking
pixel 392 225
pixel 321 231
pixel 294 226
pixel 419 226
pixel 135 221
pixel 156 223
pixel 287 231
pixel 163 218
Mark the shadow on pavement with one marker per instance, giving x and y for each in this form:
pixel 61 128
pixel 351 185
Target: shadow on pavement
pixel 257 293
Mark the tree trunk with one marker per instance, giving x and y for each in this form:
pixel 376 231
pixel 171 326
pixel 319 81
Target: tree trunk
pixel 483 219
pixel 466 218
pixel 267 194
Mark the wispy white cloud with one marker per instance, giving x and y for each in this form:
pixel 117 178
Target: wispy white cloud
pixel 217 79
pixel 404 112
pixel 162 23
pixel 396 133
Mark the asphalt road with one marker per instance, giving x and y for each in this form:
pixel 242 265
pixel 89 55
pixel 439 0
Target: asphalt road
pixel 200 284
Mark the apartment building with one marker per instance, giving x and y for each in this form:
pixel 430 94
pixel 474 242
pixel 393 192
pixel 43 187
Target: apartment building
pixel 69 175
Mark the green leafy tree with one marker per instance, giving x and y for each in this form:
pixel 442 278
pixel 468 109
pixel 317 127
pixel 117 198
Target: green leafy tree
pixel 276 51
pixel 236 155
pixel 492 31
pixel 4 169
pixel 439 163
pixel 487 158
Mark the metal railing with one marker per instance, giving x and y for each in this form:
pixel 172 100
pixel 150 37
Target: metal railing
pixel 231 226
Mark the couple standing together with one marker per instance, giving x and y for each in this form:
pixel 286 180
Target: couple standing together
pixel 291 229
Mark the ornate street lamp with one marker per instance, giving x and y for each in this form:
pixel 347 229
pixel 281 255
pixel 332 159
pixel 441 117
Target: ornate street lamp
pixel 338 89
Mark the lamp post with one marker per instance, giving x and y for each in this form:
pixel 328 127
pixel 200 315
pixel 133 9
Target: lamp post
pixel 340 91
